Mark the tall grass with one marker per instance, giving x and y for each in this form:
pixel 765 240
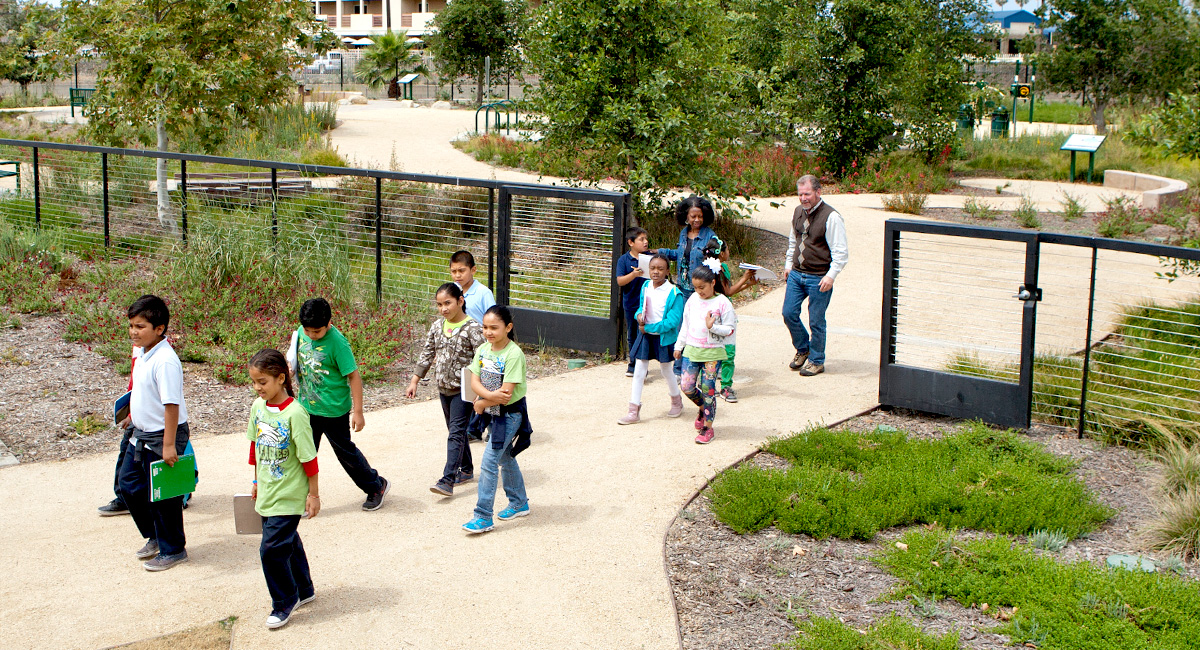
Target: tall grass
pixel 1057 112
pixel 1142 385
pixel 1037 157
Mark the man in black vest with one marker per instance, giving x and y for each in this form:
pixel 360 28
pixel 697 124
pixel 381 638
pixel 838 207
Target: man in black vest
pixel 816 253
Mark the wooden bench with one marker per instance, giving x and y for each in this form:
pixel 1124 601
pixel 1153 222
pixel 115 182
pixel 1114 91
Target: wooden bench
pixel 246 184
pixel 80 97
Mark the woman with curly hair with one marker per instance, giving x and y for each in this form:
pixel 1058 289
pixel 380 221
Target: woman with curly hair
pixel 696 216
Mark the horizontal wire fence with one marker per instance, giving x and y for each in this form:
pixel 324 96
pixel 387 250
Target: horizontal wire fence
pixel 373 232
pixel 1117 341
pixel 955 321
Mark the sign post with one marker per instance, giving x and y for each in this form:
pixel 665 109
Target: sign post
pixel 1086 143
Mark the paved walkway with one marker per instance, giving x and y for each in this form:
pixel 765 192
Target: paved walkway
pixel 585 570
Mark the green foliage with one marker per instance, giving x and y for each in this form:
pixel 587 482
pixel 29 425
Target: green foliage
pixel 201 65
pixel 871 70
pixel 635 81
pixel 1037 157
pixel 1173 127
pixel 1048 540
pixel 1072 209
pixel 1059 113
pixel 851 485
pixel 390 56
pixel 1119 49
pixel 1118 608
pixel 25 26
pixel 893 633
pixel 1122 218
pixel 1026 214
pixel 469 31
pixel 1152 346
pixel 906 202
pixel 979 209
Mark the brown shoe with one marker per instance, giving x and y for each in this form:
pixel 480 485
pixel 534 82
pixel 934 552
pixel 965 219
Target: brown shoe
pixel 799 361
pixel 811 369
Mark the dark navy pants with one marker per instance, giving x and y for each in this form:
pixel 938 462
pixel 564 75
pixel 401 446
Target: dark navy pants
pixel 285 566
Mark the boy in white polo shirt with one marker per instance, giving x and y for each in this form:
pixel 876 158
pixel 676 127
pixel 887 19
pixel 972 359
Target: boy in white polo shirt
pixel 160 432
pixel 479 298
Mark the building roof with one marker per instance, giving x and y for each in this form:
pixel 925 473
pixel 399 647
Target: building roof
pixel 1007 18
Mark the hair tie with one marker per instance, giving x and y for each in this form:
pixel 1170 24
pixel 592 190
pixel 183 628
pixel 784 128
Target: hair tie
pixel 713 265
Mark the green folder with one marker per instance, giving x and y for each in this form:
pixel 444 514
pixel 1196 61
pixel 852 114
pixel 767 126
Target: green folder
pixel 168 482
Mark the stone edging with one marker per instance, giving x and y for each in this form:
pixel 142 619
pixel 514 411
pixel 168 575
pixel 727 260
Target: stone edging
pixel 1157 191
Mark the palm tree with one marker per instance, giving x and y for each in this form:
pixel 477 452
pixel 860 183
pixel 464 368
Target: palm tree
pixel 384 62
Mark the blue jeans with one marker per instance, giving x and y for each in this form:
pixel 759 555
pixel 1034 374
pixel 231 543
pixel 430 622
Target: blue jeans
pixel 800 286
pixel 495 460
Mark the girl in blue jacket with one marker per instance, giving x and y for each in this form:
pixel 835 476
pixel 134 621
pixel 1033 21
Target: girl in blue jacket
pixel 659 314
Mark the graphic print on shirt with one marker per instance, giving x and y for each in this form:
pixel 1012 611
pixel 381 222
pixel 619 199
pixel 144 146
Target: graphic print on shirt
pixel 311 374
pixel 491 375
pixel 273 446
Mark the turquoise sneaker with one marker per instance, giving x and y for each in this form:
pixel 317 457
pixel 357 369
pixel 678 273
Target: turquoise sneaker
pixel 478 525
pixel 513 513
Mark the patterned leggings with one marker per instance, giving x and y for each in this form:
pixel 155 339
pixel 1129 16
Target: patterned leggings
pixel 699 382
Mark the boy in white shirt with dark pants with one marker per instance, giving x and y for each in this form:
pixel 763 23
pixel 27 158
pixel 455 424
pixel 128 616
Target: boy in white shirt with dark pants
pixel 160 432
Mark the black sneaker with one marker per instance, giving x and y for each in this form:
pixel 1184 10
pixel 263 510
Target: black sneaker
pixel 375 500
pixel 474 437
pixel 113 508
pixel 442 489
pixel 278 619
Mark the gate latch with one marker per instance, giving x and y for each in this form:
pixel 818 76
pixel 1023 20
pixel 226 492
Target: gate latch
pixel 1025 294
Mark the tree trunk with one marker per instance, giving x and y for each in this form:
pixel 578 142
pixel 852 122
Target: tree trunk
pixel 1098 105
pixel 479 87
pixel 160 171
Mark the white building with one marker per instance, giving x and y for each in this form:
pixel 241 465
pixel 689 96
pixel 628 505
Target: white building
pixel 356 19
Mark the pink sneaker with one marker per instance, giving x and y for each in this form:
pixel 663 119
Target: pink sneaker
pixel 705 436
pixel 700 420
pixel 676 407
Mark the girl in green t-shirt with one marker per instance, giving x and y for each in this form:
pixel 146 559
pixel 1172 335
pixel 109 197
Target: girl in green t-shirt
pixel 285 483
pixel 498 378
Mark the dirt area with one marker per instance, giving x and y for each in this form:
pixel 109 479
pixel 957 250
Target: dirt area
pixel 56 397
pixel 741 591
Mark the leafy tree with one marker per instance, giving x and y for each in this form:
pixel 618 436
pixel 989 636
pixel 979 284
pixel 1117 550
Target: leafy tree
pixel 868 71
pixel 643 82
pixel 23 26
pixel 200 65
pixel 469 31
pixel 1174 127
pixel 1113 49
pixel 383 62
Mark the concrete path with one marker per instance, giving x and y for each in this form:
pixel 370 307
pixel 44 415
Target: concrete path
pixel 584 570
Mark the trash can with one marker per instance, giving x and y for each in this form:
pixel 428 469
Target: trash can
pixel 966 119
pixel 1000 123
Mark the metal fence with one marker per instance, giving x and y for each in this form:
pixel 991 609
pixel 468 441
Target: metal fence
pixel 546 251
pixel 341 77
pixel 1010 326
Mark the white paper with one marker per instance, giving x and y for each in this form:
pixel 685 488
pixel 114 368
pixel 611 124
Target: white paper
pixel 465 391
pixel 762 273
pixel 644 264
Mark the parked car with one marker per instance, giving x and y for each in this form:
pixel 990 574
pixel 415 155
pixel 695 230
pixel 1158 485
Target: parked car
pixel 331 62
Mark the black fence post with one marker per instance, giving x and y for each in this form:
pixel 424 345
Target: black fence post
pixel 504 248
pixel 615 312
pixel 1029 325
pixel 104 185
pixel 1087 348
pixel 37 191
pixel 492 237
pixel 183 199
pixel 378 240
pixel 274 206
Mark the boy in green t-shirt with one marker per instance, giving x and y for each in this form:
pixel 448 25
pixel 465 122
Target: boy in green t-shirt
pixel 331 390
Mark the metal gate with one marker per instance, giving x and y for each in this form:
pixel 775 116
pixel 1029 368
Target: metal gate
pixel 566 239
pixel 993 321
pixel 1013 325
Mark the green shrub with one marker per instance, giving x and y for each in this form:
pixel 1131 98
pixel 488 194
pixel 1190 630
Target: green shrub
pixel 851 485
pixel 1072 209
pixel 1175 528
pixel 1173 128
pixel 979 209
pixel 906 202
pixel 1026 214
pixel 1077 606
pixel 893 633
pixel 1122 218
